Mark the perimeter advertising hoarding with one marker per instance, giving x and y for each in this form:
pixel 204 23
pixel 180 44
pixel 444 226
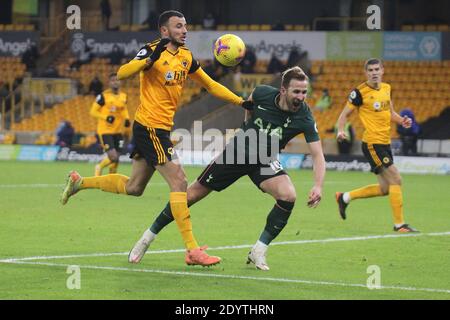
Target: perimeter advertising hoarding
pixel 102 43
pixel 320 45
pixel 15 43
pixel 38 153
pixel 9 152
pixel 353 45
pixel 412 46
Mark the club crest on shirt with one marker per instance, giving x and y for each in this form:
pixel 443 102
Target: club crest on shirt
pixel 169 76
pixel 185 63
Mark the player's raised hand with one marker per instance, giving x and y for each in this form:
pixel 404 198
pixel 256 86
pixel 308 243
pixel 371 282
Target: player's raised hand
pixel 315 195
pixel 341 135
pixel 406 122
pixel 160 47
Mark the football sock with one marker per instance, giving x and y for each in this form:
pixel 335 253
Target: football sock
pixel 113 167
pixel 114 183
pixel 369 191
pixel 260 246
pixel 276 220
pixel 104 163
pixel 180 211
pixel 162 220
pixel 396 199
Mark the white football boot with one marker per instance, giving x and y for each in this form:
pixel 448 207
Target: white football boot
pixel 257 256
pixel 137 253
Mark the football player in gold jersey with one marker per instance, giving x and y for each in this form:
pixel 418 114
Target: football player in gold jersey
pixel 163 67
pixel 372 100
pixel 110 108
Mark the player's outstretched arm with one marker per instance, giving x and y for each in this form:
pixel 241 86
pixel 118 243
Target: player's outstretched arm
pixel 131 68
pixel 144 59
pixel 215 88
pixel 315 195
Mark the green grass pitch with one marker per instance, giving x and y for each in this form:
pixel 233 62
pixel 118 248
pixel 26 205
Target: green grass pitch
pixel 95 230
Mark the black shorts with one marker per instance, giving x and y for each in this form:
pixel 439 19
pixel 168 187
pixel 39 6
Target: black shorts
pixel 154 145
pixel 219 176
pixel 111 141
pixel 379 156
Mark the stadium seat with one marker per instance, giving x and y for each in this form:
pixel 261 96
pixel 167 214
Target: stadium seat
pixel 124 27
pixel 407 27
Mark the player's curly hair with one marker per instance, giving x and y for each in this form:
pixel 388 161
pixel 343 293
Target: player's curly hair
pixel 293 73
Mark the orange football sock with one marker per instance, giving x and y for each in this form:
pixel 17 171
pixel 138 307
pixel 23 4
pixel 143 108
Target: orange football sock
pixel 180 211
pixel 114 183
pixel 369 191
pixel 396 199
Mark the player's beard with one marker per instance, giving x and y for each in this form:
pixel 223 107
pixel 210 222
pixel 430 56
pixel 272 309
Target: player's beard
pixel 174 41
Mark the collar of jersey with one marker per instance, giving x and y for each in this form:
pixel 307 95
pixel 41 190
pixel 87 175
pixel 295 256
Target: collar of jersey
pixel 378 89
pixel 287 111
pixel 173 53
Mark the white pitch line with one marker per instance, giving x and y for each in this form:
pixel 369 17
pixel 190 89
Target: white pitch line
pixel 244 246
pixel 32 185
pixel 223 276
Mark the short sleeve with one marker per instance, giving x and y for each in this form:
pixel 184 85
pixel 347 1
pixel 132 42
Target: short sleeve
pixel 355 98
pixel 256 94
pixel 312 133
pixel 100 99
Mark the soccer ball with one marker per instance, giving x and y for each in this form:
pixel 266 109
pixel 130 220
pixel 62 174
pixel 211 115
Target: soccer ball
pixel 229 50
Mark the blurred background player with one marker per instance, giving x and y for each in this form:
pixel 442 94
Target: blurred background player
pixel 110 108
pixel 280 114
pixel 409 136
pixel 163 66
pixel 373 101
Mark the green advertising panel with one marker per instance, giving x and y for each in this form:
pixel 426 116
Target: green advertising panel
pixel 9 152
pixel 354 45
